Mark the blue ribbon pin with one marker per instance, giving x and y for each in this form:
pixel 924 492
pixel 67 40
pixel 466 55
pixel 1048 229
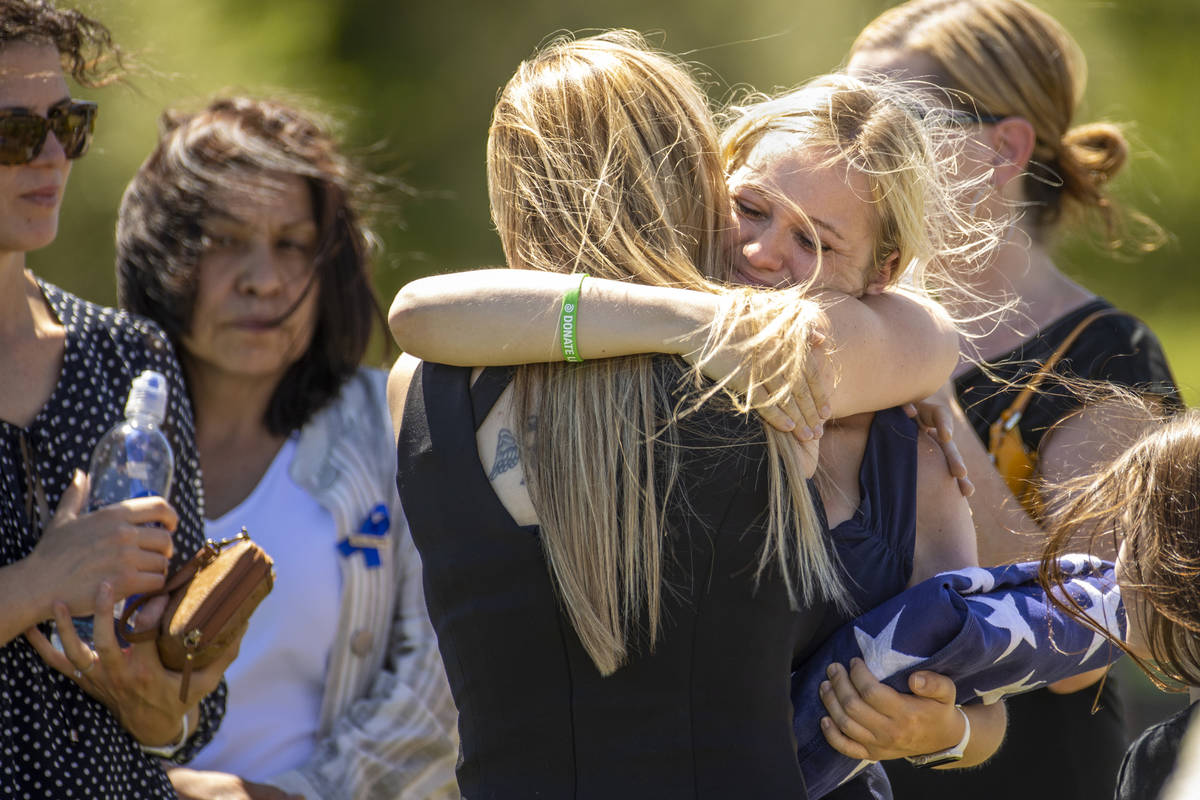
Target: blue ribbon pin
pixel 371 536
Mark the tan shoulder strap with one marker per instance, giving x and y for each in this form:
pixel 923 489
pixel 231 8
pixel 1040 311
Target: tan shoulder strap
pixel 1012 415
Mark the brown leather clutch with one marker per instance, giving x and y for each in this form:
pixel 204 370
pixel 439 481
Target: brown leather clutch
pixel 211 597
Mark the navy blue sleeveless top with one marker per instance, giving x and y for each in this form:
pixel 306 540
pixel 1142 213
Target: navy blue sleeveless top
pixel 876 543
pixel 706 715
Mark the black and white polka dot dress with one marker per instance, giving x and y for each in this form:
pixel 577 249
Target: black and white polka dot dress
pixel 55 741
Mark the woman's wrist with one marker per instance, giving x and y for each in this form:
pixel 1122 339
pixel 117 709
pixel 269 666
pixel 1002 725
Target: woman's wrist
pixel 988 723
pixel 950 754
pixel 689 322
pixel 26 600
pixel 568 321
pixel 160 727
pixel 184 727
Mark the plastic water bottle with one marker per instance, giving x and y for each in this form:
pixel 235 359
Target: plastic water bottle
pixel 134 459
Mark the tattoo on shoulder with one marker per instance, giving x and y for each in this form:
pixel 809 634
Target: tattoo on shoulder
pixel 508 454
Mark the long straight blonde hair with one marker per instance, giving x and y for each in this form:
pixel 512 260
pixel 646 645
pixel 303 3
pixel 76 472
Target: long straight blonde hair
pixel 603 158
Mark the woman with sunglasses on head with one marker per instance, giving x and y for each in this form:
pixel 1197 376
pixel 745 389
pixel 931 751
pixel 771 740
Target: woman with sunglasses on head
pixel 242 236
pixel 94 722
pixel 1016 77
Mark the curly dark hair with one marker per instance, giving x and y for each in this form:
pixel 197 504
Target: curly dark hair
pixel 161 238
pixel 85 45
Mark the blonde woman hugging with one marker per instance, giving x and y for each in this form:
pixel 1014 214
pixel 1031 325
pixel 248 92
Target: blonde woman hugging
pixel 623 566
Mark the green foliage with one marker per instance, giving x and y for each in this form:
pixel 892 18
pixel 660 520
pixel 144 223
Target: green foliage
pixel 414 84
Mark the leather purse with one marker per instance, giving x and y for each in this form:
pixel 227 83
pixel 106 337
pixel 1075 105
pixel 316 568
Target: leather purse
pixel 211 598
pixel 1014 461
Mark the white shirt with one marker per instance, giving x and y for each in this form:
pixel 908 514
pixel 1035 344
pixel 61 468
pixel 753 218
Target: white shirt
pixel 277 682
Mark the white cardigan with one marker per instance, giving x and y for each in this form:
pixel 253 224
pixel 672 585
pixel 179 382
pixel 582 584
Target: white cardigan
pixel 388 725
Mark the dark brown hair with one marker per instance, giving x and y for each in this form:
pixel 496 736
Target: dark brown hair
pixel 85 46
pixel 1149 501
pixel 160 234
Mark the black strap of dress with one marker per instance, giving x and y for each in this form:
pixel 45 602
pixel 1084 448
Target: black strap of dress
pixel 486 390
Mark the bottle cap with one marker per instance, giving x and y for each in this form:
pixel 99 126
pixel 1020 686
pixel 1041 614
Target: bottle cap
pixel 148 396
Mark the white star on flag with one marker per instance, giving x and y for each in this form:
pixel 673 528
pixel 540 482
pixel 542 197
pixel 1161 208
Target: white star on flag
pixel 1076 563
pixel 993 695
pixel 878 654
pixel 981 579
pixel 1006 616
pixel 1101 608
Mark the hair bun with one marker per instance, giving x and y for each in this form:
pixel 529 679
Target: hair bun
pixel 170 119
pixel 1093 154
pixel 1090 156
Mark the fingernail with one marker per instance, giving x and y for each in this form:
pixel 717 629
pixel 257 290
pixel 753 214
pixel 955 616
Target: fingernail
pixel 918 682
pixel 824 687
pixel 106 588
pixel 825 411
pixel 832 670
pixel 806 433
pixel 826 723
pixel 819 430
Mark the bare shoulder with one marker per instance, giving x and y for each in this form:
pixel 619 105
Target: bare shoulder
pixel 399 379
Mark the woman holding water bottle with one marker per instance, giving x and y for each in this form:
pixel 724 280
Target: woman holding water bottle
pixel 95 720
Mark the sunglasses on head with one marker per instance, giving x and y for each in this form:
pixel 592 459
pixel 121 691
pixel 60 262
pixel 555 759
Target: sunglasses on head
pixel 23 134
pixel 981 117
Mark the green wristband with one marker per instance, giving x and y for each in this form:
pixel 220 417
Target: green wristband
pixel 567 322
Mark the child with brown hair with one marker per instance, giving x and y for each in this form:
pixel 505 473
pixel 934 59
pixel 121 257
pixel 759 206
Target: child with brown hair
pixel 1148 501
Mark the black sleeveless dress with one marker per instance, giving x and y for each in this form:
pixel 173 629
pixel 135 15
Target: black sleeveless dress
pixel 706 715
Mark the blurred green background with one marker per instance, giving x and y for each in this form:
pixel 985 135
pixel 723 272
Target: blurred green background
pixel 413 84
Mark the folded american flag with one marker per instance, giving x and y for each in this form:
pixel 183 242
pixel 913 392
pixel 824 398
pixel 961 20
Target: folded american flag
pixel 991 630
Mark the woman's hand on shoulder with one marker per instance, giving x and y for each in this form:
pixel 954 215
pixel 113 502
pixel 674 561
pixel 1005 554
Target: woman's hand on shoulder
pixel 935 418
pixel 871 720
pixel 746 354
